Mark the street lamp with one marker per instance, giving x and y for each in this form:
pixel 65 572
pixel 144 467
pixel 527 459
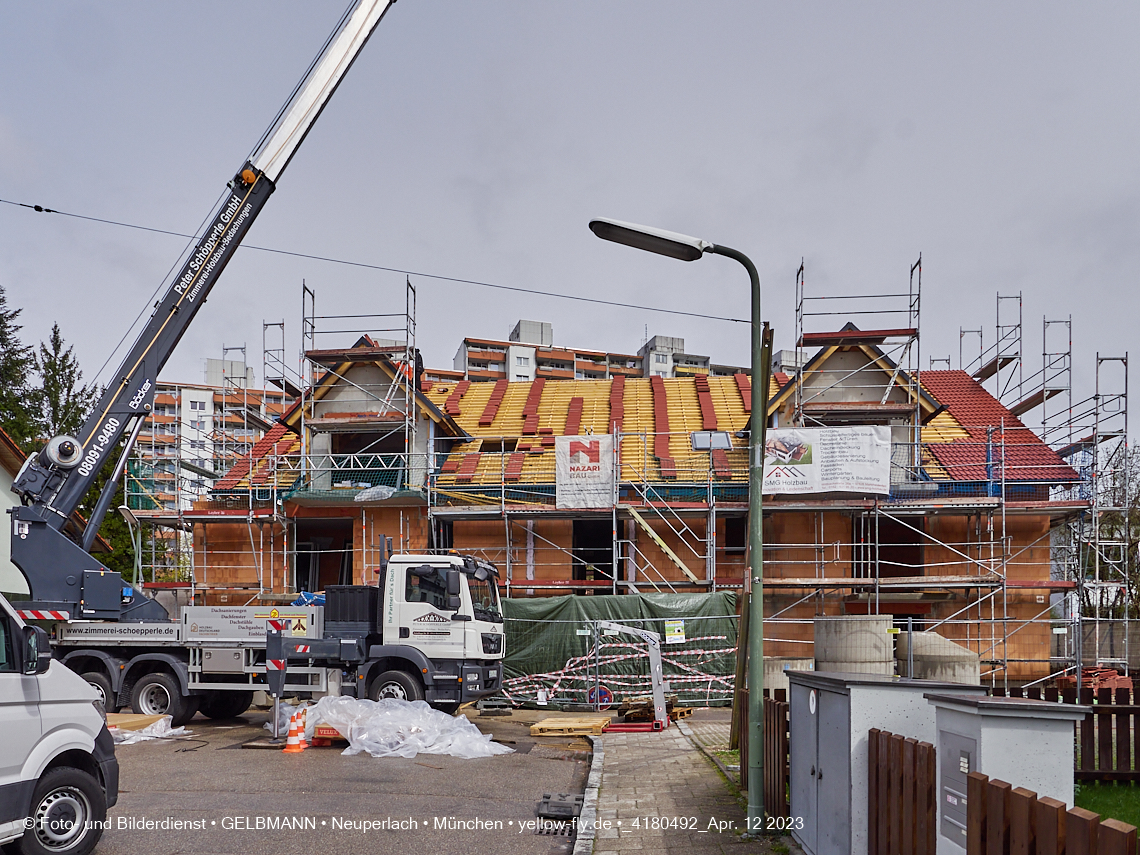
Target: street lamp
pixel 136 536
pixel 687 248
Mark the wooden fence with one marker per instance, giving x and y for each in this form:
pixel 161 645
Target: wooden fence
pixel 776 768
pixel 1108 739
pixel 901 793
pixel 776 771
pixel 1006 820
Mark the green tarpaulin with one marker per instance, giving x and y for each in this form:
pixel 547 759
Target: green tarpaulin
pixel 555 647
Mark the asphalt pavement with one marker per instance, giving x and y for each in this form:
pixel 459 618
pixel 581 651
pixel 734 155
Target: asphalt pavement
pixel 207 794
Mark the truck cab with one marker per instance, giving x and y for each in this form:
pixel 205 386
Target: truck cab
pixel 58 772
pixel 445 609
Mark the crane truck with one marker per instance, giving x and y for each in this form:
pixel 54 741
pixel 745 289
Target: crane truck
pixel 432 628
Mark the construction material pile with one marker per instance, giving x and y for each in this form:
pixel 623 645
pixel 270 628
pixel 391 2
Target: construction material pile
pixel 127 729
pixel 641 709
pixel 393 728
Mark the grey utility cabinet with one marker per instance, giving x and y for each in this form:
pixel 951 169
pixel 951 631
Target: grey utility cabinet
pixel 830 716
pixel 1026 743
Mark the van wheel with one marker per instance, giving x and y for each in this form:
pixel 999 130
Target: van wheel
pixel 159 694
pixel 68 808
pixel 398 685
pixel 99 681
pixel 225 704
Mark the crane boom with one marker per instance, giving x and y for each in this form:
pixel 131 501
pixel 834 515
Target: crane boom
pixel 61 574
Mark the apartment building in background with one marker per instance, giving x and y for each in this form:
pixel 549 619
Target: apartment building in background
pixel 529 353
pixel 196 432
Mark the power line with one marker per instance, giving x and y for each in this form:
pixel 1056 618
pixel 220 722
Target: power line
pixel 367 266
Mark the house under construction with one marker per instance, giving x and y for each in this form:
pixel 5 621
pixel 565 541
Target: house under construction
pixel 988 532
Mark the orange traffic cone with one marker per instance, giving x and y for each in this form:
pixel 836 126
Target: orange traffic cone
pixel 302 726
pixel 293 743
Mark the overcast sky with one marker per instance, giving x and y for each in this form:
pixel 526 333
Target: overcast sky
pixel 477 139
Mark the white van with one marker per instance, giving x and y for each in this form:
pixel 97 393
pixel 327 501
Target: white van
pixel 58 772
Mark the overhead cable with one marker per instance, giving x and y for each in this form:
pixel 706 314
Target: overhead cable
pixel 458 280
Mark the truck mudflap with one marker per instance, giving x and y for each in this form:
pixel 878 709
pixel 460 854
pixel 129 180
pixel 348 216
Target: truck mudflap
pixel 137 668
pixel 113 666
pixel 104 754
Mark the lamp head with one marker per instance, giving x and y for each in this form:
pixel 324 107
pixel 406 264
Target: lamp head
pixel 650 239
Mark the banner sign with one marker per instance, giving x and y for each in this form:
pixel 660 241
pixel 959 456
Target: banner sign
pixel 584 471
pixel 826 460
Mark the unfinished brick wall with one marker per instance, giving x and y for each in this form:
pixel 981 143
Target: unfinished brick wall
pixel 553 540
pixel 225 560
pixel 942 555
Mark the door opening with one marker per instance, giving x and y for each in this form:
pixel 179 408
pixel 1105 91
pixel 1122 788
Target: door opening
pixel 324 554
pixel 593 552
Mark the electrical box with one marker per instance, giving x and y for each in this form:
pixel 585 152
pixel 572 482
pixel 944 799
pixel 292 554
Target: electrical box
pixel 1027 743
pixel 830 716
pixel 960 753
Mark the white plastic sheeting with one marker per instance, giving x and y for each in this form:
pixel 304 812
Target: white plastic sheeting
pixel 394 728
pixel 161 729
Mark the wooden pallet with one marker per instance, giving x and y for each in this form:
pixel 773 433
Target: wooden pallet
pixel 324 735
pixel 576 726
pixel 680 712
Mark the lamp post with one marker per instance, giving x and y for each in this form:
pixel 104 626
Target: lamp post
pixel 136 539
pixel 687 248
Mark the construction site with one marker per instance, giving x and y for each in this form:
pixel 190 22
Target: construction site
pixel 1000 530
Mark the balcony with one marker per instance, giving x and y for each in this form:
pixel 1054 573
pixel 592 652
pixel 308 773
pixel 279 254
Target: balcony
pixel 333 479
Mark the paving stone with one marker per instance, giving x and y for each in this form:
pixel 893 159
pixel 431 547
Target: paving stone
pixel 665 776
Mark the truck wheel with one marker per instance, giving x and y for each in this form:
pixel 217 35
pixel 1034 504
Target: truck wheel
pixel 399 685
pixel 101 683
pixel 68 808
pixel 225 704
pixel 158 694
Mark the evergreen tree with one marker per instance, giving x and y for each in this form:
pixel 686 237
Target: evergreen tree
pixel 19 397
pixel 65 399
pixel 113 529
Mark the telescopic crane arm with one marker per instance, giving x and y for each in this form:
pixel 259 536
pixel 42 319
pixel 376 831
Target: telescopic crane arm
pixel 61 574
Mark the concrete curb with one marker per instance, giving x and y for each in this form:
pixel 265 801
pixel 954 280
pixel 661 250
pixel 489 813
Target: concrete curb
pixel 588 820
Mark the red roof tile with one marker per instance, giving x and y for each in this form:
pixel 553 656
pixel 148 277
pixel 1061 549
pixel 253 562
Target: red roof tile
pixel 260 449
pixel 493 403
pixel 451 405
pixel 660 419
pixel 617 402
pixel 745 386
pixel 1011 444
pixel 573 417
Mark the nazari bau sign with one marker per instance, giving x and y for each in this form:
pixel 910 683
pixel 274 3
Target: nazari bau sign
pixel 584 471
